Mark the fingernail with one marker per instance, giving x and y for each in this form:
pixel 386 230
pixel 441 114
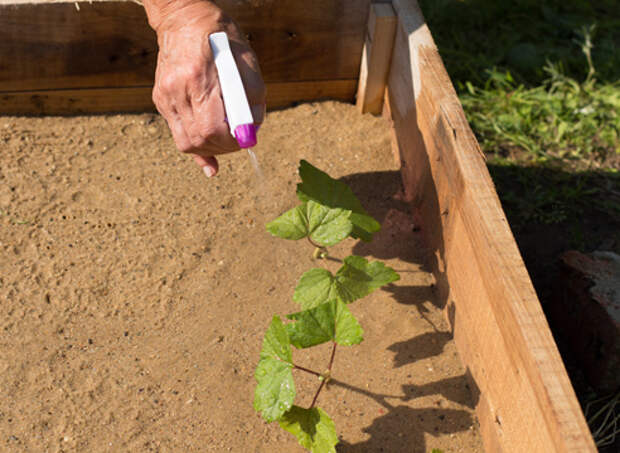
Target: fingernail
pixel 209 171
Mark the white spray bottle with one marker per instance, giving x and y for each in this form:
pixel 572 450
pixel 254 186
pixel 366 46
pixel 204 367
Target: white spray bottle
pixel 236 104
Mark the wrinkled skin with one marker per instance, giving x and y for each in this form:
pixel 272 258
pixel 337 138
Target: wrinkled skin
pixel 187 92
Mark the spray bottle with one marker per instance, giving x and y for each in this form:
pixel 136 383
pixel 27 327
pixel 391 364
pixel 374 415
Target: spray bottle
pixel 236 104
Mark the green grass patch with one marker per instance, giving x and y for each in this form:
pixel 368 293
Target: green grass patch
pixel 560 119
pixel 539 82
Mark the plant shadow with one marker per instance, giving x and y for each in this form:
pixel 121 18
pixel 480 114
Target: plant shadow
pixel 403 428
pixel 381 194
pixel 423 346
pixel 410 439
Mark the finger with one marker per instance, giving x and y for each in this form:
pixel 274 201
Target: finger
pixel 162 99
pixel 210 119
pixel 179 134
pixel 186 114
pixel 210 150
pixel 208 164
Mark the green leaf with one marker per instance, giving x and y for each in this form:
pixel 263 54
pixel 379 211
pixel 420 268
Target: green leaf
pixel 315 287
pixel 313 429
pixel 358 277
pixel 329 321
pixel 355 279
pixel 290 225
pixel 324 225
pixel 348 329
pixel 275 388
pixel 322 188
pixel 327 226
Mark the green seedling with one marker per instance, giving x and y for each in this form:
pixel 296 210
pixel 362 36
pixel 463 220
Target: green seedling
pixel 328 213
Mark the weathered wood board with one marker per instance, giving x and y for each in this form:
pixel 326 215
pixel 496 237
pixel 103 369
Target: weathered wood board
pixel 138 98
pixel 109 45
pixel 526 402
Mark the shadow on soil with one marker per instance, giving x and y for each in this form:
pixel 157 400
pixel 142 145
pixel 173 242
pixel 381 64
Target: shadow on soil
pixel 402 428
pixel 399 419
pixel 549 211
pixel 423 346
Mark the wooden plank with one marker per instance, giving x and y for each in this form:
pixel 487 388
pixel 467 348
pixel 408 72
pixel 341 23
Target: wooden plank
pixel 138 99
pixel 77 101
pixel 376 58
pixel 49 45
pixel 288 93
pixel 53 45
pixel 526 401
pixel 300 40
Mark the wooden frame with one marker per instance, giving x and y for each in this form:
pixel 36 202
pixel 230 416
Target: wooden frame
pixel 69 61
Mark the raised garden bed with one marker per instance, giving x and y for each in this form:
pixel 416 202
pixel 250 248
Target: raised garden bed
pixel 97 63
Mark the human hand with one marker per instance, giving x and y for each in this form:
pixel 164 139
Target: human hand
pixel 187 91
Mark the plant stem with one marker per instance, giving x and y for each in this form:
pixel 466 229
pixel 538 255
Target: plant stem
pixel 331 360
pixel 297 367
pixel 324 381
pixel 320 251
pixel 316 395
pixel 314 244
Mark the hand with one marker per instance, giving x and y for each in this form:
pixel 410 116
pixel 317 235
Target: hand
pixel 187 91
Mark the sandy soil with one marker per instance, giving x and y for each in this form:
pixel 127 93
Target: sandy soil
pixel 134 293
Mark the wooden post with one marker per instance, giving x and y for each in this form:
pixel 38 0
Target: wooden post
pixel 376 58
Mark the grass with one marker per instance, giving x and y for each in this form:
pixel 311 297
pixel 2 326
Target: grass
pixel 553 149
pixel 603 418
pixel 573 124
pixel 520 36
pixel 539 82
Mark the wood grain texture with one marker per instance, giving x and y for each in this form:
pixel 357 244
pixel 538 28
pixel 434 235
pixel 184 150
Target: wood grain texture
pixel 138 99
pixel 299 40
pixel 526 402
pixel 376 58
pixel 47 45
pixel 53 45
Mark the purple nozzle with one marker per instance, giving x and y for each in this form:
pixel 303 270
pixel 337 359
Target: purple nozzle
pixel 246 135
